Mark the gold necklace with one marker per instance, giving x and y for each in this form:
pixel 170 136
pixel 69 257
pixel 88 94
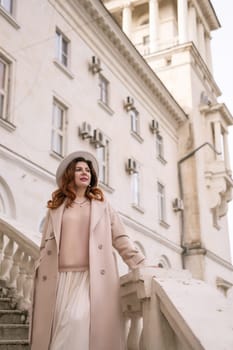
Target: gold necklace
pixel 82 203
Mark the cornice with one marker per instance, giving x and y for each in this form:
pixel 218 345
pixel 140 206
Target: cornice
pixel 219 260
pixel 26 163
pixel 222 109
pixel 209 14
pixel 100 18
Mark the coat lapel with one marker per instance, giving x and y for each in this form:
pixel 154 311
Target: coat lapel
pixel 97 210
pixel 56 216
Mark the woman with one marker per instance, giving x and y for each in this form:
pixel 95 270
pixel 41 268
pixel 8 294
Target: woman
pixel 76 294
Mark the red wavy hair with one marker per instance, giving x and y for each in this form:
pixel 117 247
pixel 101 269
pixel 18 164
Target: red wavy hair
pixel 67 189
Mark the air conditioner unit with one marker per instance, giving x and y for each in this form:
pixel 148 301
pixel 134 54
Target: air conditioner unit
pixel 95 65
pixel 129 103
pixel 85 131
pixel 154 126
pixel 178 204
pixel 131 166
pixel 98 138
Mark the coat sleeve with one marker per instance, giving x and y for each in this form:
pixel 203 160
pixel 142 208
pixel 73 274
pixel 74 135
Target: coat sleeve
pixel 123 244
pixel 42 244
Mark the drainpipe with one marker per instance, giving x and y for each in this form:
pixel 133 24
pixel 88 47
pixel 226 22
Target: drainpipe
pixel 182 192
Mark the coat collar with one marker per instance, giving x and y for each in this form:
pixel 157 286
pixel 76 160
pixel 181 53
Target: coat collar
pixel 97 210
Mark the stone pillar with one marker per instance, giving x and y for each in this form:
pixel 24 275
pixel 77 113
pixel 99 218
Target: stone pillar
pixel 217 138
pixel 127 19
pixel 201 39
pixel 226 152
pixel 153 24
pixel 208 52
pixel 182 8
pixel 193 25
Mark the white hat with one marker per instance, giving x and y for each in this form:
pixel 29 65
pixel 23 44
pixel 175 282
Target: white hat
pixel 67 160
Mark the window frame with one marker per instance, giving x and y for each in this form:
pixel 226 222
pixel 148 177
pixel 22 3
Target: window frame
pixel 103 89
pixel 5 90
pixel 104 162
pixel 60 54
pixel 161 200
pixel 134 121
pixel 56 131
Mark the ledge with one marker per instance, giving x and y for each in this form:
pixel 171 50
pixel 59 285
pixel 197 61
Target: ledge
pixel 137 136
pixel 106 188
pixel 105 107
pixel 56 155
pixel 10 19
pixel 7 125
pixel 164 224
pixel 162 160
pixel 63 68
pixel 138 208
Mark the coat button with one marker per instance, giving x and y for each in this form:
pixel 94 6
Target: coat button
pixel 44 278
pixel 102 272
pixel 49 252
pixel 100 246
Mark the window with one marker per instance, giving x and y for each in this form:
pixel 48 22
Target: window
pixel 134 116
pixel 104 89
pixel 62 46
pixel 136 189
pixel 103 160
pixel 161 202
pixel 4 88
pixel 7 5
pixel 160 148
pixel 58 128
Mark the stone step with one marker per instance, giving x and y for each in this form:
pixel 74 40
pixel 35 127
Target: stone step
pixel 12 316
pixel 6 304
pixel 14 344
pixel 13 331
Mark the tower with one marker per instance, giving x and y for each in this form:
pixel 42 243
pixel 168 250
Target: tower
pixel 174 36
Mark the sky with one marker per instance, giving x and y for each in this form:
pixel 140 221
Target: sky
pixel 222 53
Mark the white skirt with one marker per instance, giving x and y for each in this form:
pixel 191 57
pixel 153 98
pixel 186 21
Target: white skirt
pixel 71 324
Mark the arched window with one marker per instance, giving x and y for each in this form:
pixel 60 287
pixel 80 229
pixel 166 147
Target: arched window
pixel 163 262
pixel 140 247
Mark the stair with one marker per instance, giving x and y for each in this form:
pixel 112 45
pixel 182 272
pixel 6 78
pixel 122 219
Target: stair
pixel 13 324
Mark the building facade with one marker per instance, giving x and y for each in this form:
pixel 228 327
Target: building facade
pixel 143 100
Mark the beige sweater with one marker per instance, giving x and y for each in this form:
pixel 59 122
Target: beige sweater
pixel 74 246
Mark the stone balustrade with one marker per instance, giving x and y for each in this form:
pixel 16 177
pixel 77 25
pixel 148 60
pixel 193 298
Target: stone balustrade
pixel 168 309
pixel 17 258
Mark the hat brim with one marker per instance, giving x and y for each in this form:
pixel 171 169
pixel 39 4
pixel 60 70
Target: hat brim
pixel 67 160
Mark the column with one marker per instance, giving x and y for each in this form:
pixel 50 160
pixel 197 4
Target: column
pixel 182 9
pixel 153 24
pixel 201 39
pixel 193 24
pixel 217 138
pixel 226 152
pixel 127 19
pixel 208 52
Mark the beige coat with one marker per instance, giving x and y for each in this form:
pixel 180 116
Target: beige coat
pixel 106 232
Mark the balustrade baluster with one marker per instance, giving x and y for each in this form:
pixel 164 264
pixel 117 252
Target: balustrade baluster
pixel 7 261
pixel 22 275
pixel 27 288
pixel 15 269
pixel 1 248
pixel 134 332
